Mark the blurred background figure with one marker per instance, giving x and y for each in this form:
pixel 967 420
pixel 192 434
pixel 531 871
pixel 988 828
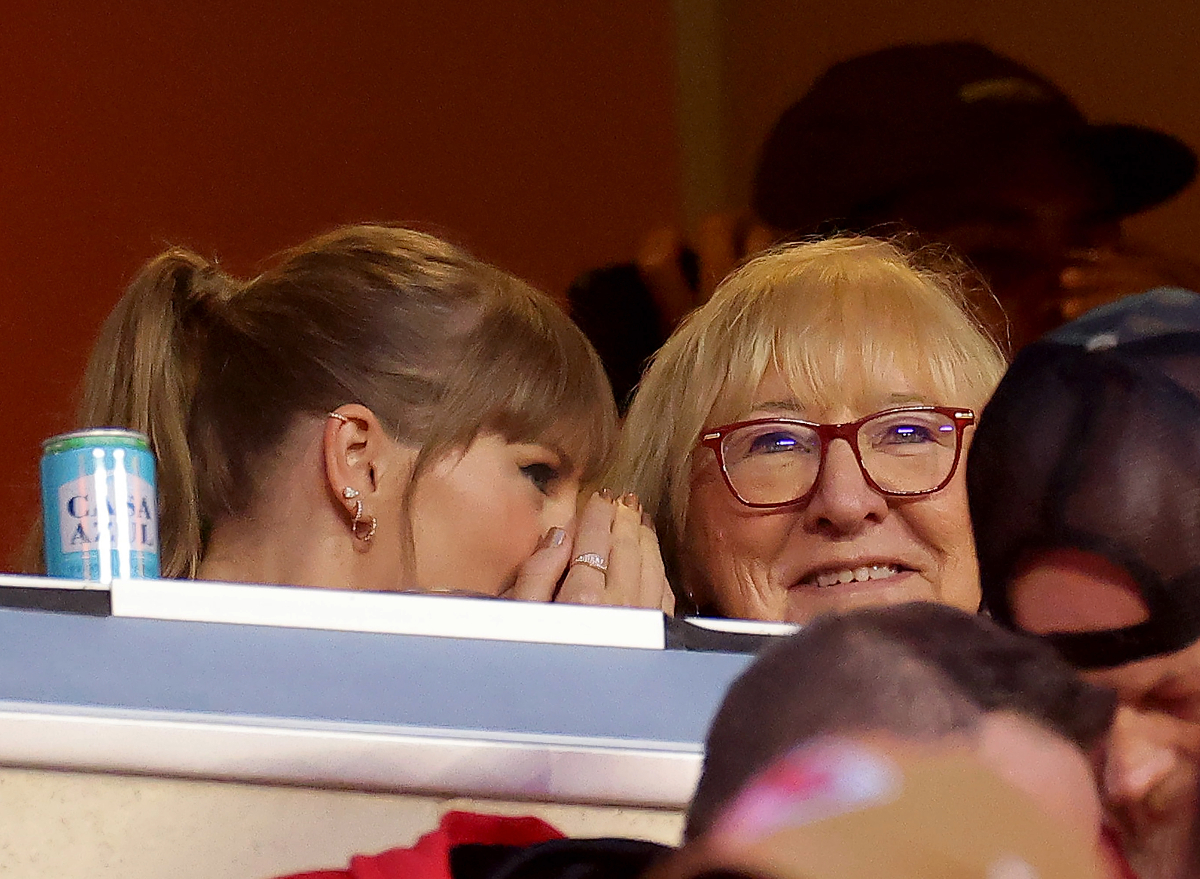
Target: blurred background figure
pixel 1084 486
pixel 952 141
pixel 972 149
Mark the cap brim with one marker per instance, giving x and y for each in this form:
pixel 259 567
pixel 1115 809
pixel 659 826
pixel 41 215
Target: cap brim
pixel 1141 166
pixel 1144 167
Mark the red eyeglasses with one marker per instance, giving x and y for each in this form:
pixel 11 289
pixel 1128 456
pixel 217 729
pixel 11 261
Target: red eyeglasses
pixel 775 462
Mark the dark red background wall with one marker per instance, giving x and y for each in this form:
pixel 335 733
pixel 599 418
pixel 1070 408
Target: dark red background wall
pixel 539 135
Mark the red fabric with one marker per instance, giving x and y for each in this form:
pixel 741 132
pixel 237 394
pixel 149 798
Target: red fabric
pixel 430 857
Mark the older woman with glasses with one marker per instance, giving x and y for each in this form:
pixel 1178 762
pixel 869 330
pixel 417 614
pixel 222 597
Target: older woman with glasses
pixel 798 442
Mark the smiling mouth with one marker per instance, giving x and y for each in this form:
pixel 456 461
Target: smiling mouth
pixel 862 574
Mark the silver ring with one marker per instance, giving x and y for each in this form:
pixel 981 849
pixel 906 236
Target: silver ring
pixel 593 560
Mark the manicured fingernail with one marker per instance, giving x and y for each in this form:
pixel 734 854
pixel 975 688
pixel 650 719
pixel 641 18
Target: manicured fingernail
pixel 606 493
pixel 630 500
pixel 553 537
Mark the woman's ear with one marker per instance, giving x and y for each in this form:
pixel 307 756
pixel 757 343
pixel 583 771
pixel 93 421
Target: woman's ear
pixel 362 462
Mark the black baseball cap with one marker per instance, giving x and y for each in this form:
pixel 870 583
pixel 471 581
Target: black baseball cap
pixel 1092 442
pixel 874 127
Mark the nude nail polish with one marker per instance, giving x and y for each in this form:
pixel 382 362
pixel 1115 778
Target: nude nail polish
pixel 553 537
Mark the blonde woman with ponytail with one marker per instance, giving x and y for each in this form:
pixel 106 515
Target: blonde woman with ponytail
pixel 377 411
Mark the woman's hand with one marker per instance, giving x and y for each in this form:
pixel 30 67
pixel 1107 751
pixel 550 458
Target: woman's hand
pixel 614 560
pixel 614 535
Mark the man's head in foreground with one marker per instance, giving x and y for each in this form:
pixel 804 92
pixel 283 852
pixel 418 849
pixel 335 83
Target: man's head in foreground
pixel 1084 484
pixel 920 673
pixel 876 807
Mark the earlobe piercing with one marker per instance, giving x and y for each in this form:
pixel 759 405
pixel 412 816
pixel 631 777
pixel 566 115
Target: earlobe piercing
pixel 368 530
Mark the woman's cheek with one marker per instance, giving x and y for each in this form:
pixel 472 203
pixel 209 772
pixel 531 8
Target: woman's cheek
pixel 517 532
pixel 942 524
pixel 732 560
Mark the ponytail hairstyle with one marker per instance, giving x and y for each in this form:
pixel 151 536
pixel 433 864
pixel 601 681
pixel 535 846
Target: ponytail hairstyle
pixel 142 375
pixel 440 346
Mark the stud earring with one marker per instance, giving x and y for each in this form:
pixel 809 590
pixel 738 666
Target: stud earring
pixel 350 493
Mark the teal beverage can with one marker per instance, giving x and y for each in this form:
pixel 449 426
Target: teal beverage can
pixel 100 505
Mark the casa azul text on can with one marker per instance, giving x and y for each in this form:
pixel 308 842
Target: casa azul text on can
pixel 100 505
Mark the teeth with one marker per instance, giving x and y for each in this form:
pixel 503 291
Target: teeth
pixel 858 575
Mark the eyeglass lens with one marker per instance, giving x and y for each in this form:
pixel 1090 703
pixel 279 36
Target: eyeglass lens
pixel 775 463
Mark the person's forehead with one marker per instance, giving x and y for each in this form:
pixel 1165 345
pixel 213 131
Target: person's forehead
pixel 1071 590
pixel 860 391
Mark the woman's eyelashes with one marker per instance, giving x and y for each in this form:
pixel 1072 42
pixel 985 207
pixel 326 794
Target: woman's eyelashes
pixel 542 475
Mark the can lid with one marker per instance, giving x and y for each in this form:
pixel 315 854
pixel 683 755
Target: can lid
pixel 104 437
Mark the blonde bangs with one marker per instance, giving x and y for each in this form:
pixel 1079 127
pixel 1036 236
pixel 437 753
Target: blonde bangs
pixel 836 317
pixel 861 337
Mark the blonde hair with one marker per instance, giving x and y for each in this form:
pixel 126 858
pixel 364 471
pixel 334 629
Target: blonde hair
pixel 437 344
pixel 824 313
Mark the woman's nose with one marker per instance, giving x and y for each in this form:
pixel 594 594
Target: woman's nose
pixel 842 501
pixel 1138 760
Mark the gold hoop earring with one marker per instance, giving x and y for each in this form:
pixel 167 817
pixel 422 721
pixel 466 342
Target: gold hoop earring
pixel 366 538
pixel 368 530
